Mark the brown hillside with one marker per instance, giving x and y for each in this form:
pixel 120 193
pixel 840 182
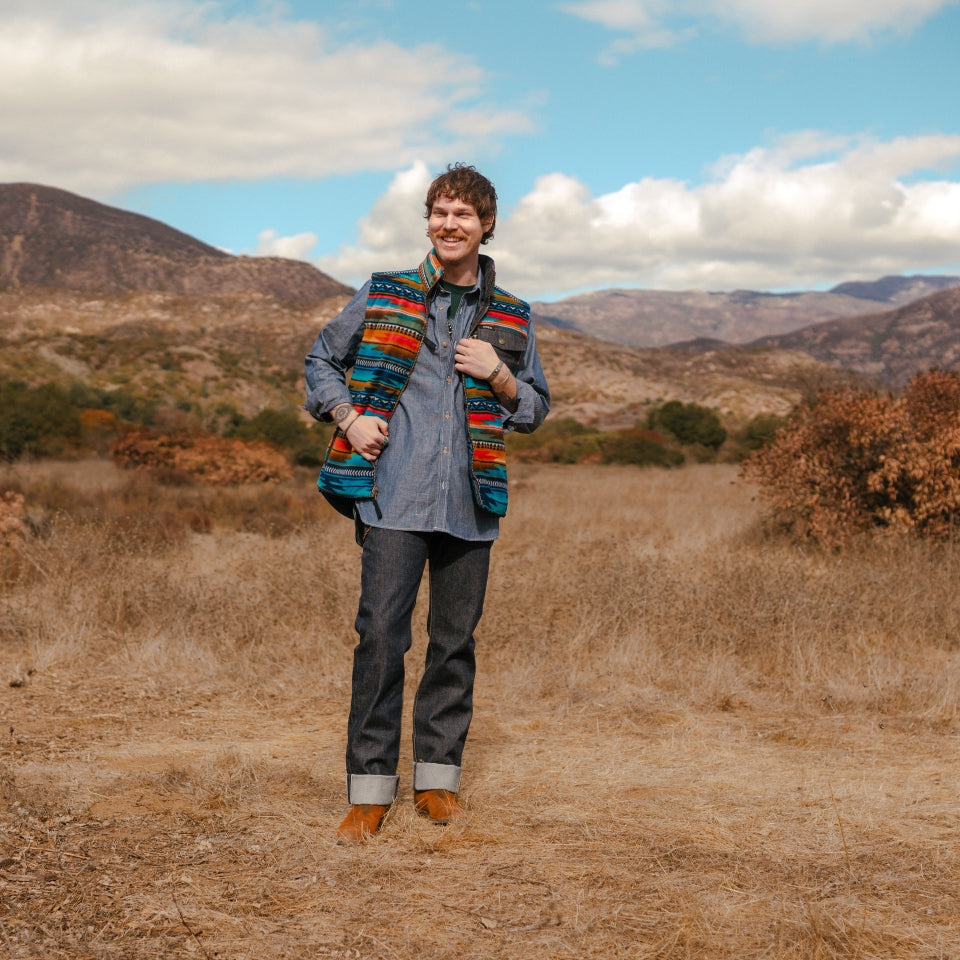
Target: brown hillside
pixel 54 240
pixel 248 352
pixel 890 346
pixel 607 385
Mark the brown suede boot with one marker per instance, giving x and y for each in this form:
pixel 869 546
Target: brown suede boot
pixel 441 806
pixel 361 822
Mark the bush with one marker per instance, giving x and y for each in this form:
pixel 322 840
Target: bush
pixel 125 406
pixel 857 461
pixel 50 419
pixel 203 457
pixel 688 423
pixel 286 429
pixel 561 440
pixel 640 447
pixel 41 421
pixel 566 440
pixel 760 431
pixel 282 428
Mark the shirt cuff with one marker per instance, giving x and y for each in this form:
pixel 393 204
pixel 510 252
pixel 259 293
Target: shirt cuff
pixel 321 402
pixel 526 412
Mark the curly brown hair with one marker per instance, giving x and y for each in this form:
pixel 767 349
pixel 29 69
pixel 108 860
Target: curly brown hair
pixel 464 182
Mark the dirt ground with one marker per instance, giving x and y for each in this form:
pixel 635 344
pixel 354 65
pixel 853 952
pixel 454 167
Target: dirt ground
pixel 165 808
pixel 159 825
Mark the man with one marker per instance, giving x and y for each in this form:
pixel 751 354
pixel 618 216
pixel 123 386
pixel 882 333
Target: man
pixel 422 372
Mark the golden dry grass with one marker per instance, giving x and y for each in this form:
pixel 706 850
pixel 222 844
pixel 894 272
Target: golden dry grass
pixel 691 741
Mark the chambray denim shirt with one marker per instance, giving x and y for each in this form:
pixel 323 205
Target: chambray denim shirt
pixel 423 475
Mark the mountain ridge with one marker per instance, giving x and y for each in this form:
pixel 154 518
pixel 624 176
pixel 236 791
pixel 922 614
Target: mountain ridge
pixel 662 318
pixel 51 239
pixel 890 345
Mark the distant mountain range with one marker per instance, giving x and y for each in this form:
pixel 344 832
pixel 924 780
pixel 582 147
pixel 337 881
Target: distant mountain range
pixel 660 318
pixel 92 293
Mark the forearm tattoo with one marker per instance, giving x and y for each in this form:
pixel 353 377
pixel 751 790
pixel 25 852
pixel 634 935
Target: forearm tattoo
pixel 507 397
pixel 341 412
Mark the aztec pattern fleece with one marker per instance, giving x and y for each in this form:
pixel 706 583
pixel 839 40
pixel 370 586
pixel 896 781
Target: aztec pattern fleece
pixel 393 333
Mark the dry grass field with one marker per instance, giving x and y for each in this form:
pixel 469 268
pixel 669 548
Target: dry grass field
pixel 691 740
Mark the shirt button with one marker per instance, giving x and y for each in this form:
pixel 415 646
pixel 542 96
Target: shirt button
pixel 448 379
pixel 446 416
pixel 445 451
pixel 445 344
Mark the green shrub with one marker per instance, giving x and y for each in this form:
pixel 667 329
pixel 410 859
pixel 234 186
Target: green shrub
pixel 760 431
pixel 566 440
pixel 688 423
pixel 639 447
pixel 305 443
pixel 41 420
pixel 282 428
pixel 127 407
pixel 563 440
pixel 311 451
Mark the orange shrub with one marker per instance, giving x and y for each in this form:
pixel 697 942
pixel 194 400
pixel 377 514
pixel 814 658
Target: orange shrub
pixel 203 457
pixel 856 461
pixel 97 420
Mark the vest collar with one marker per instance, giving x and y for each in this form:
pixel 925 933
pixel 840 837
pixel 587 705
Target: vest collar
pixel 431 272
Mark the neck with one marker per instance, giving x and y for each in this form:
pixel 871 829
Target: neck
pixel 462 274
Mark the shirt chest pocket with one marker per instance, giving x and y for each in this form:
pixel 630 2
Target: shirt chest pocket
pixel 508 343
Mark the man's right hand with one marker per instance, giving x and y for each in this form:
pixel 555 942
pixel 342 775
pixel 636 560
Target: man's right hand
pixel 368 436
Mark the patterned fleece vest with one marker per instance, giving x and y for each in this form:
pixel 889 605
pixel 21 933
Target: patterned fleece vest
pixel 393 333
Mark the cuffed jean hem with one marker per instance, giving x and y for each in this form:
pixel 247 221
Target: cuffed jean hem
pixel 436 776
pixel 371 788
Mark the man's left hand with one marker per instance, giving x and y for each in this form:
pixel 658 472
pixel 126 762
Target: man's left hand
pixel 475 358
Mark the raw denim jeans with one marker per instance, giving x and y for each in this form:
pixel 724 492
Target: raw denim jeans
pixel 392 567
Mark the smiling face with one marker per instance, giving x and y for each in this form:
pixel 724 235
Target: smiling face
pixel 456 231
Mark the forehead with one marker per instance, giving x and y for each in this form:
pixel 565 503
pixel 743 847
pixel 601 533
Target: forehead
pixel 454 205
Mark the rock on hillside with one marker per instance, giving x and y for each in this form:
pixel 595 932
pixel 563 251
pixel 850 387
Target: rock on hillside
pixel 890 346
pixel 54 240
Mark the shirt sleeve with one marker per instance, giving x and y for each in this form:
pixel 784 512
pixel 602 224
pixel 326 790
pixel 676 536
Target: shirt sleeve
pixel 331 357
pixel 533 394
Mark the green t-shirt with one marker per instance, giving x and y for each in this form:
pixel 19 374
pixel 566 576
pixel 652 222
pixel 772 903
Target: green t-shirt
pixel 456 295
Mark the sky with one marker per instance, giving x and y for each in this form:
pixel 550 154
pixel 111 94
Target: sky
pixel 663 144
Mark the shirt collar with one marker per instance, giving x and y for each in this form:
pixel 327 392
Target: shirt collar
pixel 431 270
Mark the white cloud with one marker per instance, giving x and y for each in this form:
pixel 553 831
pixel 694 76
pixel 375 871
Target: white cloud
pixel 807 211
pixel 392 235
pixel 830 21
pixel 99 95
pixel 656 23
pixel 297 247
pixel 643 22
